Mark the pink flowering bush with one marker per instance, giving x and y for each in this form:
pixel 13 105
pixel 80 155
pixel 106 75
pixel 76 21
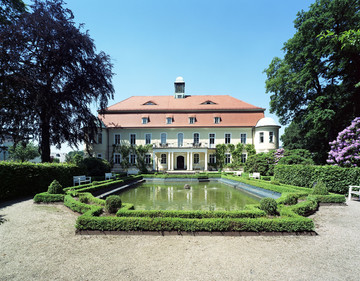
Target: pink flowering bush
pixel 279 153
pixel 345 150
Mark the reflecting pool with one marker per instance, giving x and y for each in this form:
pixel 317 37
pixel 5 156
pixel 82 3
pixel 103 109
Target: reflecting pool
pixel 201 196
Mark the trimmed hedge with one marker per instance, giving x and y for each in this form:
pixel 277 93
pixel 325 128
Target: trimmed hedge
pixel 297 224
pixel 23 179
pixel 250 219
pixel 46 197
pixel 335 178
pixel 254 213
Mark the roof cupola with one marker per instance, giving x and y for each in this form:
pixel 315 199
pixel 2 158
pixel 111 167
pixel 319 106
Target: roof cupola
pixel 179 88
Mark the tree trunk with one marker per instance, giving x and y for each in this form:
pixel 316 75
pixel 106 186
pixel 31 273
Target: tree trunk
pixel 45 139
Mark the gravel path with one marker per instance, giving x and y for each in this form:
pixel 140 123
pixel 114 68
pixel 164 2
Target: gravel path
pixel 38 242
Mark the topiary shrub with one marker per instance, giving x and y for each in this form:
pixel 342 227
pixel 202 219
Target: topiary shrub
pixel 320 189
pixel 95 183
pixel 113 203
pixel 55 188
pixel 269 205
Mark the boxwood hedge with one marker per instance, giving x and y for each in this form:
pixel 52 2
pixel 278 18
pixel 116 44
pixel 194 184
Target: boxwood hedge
pixel 251 219
pixel 23 179
pixel 336 179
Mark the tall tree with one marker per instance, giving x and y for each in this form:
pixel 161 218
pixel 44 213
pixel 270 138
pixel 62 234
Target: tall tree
pixel 10 10
pixel 50 74
pixel 314 86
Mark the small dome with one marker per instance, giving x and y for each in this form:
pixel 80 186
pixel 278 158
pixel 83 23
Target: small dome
pixel 179 80
pixel 266 121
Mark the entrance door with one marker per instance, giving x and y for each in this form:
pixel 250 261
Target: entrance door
pixel 180 163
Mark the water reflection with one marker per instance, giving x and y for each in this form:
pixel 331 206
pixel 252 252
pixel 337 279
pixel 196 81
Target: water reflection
pixel 201 196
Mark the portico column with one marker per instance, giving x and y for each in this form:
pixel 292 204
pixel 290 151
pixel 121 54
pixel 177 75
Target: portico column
pixel 172 160
pixel 206 160
pixel 169 160
pixel 187 161
pixel 154 162
pixel 191 160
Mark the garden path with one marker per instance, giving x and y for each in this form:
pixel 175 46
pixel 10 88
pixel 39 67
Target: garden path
pixel 38 242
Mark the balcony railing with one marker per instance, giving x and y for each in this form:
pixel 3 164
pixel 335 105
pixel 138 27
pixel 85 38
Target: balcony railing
pixel 184 145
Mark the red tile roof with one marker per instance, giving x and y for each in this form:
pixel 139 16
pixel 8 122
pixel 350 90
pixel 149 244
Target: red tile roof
pixel 233 112
pixel 190 103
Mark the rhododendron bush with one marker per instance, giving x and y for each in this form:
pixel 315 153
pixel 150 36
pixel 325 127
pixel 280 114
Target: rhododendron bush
pixel 345 150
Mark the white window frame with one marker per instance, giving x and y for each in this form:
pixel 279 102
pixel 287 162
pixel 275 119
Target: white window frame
pixel 241 140
pixel 196 158
pixel 212 158
pixel 212 144
pixel 217 120
pixel 227 158
pixel 182 140
pixel 261 137
pixel 99 155
pixel 161 139
pixel 148 134
pixel 145 120
pixel 117 154
pixel 115 135
pixel 198 141
pixel 132 156
pixel 243 157
pixel 147 159
pixel 271 137
pixel 168 120
pixel 163 160
pixel 192 120
pixel 132 134
pixel 225 138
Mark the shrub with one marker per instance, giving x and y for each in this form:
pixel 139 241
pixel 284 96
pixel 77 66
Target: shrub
pixel 55 188
pixel 95 183
pixel 336 179
pixel 45 197
pixel 320 189
pixel 275 182
pixel 262 163
pixel 113 203
pixel 266 178
pixel 23 179
pixel 345 150
pixel 83 198
pixel 269 205
pixel 96 166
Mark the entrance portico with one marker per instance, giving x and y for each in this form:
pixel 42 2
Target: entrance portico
pixel 169 159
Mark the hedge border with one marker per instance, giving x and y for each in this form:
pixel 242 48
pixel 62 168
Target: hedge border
pixel 252 219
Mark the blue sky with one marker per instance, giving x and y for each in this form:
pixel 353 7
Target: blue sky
pixel 219 47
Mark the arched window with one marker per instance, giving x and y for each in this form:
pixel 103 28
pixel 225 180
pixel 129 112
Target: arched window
pixel 180 139
pixel 163 138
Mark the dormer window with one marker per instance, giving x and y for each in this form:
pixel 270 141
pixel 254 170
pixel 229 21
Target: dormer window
pixel 145 120
pixel 168 120
pixel 217 120
pixel 149 103
pixel 192 120
pixel 208 102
